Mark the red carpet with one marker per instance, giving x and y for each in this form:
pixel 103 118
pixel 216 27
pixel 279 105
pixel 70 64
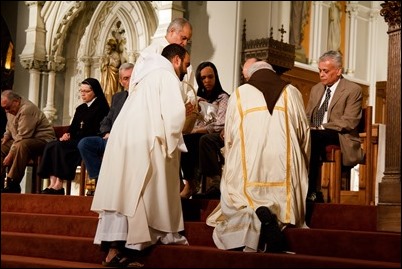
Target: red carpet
pixel 45 231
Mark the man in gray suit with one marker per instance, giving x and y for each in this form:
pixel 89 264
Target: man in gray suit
pixel 334 111
pixel 92 148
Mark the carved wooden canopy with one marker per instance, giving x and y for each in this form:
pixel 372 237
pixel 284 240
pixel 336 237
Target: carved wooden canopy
pixel 277 53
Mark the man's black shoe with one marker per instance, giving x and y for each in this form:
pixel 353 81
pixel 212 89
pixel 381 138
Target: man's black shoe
pixel 315 197
pixel 212 193
pixel 12 187
pixel 271 237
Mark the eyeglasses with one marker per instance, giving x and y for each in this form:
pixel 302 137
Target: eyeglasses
pixel 85 91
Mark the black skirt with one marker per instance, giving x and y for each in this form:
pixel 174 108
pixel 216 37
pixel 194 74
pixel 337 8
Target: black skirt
pixel 60 159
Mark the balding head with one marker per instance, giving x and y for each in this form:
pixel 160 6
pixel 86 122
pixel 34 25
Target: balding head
pixel 246 66
pixel 258 66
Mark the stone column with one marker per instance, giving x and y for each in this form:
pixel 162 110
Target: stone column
pixel 33 55
pixel 49 110
pixel 372 53
pixel 167 11
pixel 87 63
pixel 34 84
pixel 389 206
pixel 350 63
pixel 315 39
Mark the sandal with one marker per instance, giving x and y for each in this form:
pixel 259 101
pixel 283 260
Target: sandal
pixel 117 261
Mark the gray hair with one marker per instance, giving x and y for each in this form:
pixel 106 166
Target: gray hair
pixel 10 95
pixel 258 66
pixel 126 66
pixel 333 55
pixel 178 24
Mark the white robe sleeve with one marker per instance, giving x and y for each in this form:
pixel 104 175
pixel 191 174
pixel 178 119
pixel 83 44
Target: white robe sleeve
pixel 173 113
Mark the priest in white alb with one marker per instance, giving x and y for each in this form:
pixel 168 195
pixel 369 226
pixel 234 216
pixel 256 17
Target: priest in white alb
pixel 137 196
pixel 265 178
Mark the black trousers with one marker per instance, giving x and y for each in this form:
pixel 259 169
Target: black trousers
pixel 203 157
pixel 319 140
pixel 211 159
pixel 189 161
pixel 60 159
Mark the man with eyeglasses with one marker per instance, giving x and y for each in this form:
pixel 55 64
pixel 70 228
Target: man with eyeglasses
pixel 178 32
pixel 27 132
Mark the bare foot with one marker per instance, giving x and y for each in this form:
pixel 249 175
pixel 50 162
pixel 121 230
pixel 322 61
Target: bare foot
pixel 115 259
pixel 112 253
pixel 187 191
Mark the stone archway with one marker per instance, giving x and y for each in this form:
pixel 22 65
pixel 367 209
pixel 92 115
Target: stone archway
pixel 132 19
pixel 77 34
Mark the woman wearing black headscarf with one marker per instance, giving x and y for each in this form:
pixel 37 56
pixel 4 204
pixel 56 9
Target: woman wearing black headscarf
pixel 210 93
pixel 61 157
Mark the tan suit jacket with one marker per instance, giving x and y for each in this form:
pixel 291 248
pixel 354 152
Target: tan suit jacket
pixel 344 114
pixel 29 123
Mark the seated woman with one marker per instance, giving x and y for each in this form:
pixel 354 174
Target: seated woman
pixel 214 99
pixel 61 157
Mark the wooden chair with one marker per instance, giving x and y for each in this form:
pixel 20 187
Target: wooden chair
pixel 331 170
pixel 59 130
